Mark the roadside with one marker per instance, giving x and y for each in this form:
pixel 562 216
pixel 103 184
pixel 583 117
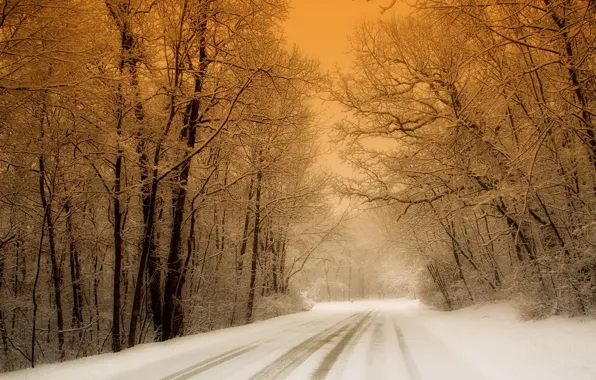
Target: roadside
pixel 495 341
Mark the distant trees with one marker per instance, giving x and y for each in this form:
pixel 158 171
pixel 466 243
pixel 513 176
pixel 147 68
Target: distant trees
pixel 475 121
pixel 362 259
pixel 150 152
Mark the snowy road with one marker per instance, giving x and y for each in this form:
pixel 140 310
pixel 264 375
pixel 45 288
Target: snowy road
pixel 359 341
pixel 367 340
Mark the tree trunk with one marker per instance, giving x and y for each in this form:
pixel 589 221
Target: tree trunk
pixel 47 206
pixel 116 336
pixel 274 263
pixel 149 258
pixel 172 309
pixel 243 245
pixel 172 312
pixel 35 282
pixel 455 250
pixel 154 273
pixel 282 268
pixel 97 272
pixel 265 263
pixel 3 335
pixel 436 276
pixel 126 45
pixel 148 252
pixel 75 271
pixel 255 249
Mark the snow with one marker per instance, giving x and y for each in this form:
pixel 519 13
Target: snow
pixel 492 337
pixel 361 340
pixel 490 342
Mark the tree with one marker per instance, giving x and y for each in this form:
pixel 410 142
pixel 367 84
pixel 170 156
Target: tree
pixel 138 178
pixel 473 131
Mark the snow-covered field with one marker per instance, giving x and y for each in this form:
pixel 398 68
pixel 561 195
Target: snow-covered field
pixel 398 339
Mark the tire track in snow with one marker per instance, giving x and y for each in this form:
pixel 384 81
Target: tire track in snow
pixel 405 351
pixel 329 360
pixel 285 364
pixel 206 364
pixel 210 363
pixel 375 355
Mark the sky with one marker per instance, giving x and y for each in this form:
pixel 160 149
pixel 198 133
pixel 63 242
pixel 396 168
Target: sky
pixel 320 29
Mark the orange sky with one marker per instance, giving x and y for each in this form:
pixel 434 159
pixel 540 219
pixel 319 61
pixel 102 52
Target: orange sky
pixel 320 27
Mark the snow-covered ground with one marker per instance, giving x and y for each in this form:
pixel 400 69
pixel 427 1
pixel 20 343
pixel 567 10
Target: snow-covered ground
pixel 398 339
pixel 502 347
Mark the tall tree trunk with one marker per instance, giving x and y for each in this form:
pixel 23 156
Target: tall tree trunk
pixel 75 270
pixel 19 274
pixel 255 249
pixel 116 337
pixel 46 203
pixel 97 271
pixel 243 245
pixel 149 258
pixel 154 273
pixel 282 268
pixel 265 263
pixel 172 313
pixel 436 276
pixel 3 335
pixel 3 331
pixel 455 249
pixel 172 309
pixel 274 264
pixel 127 59
pixel 220 247
pixel 148 253
pixel 35 283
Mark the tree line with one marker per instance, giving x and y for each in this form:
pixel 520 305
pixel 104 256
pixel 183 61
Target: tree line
pixel 474 122
pixel 155 158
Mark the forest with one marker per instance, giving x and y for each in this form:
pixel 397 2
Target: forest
pixel 161 166
pixel 473 121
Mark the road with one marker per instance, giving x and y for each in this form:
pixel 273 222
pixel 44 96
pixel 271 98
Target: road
pixel 394 339
pixel 349 341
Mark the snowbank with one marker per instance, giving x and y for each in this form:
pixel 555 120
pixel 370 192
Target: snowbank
pixel 505 348
pixel 493 339
pixel 281 304
pixel 157 358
